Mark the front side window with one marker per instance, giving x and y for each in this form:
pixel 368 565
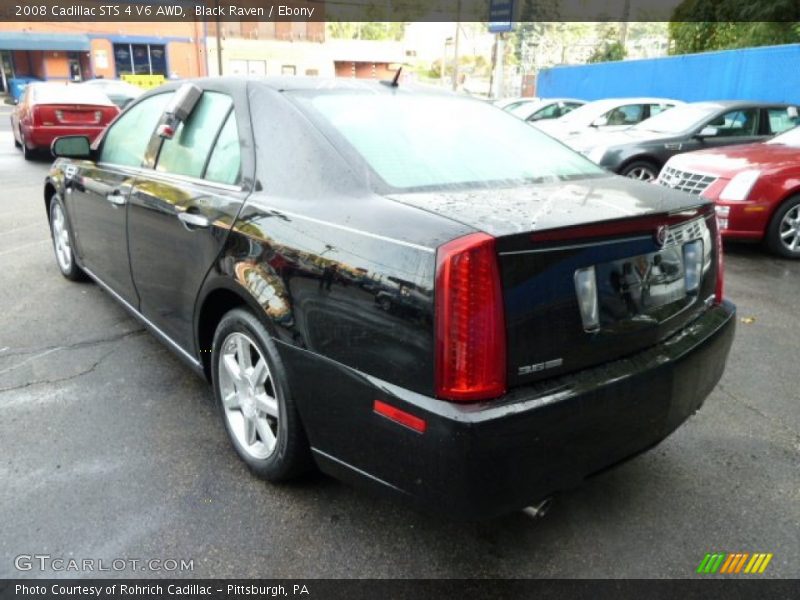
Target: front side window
pixel 736 123
pixel 419 141
pixel 626 115
pixel 187 151
pixel 127 139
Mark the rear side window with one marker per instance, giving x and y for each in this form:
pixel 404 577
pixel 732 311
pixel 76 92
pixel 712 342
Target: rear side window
pixel 658 108
pixel 225 162
pixel 187 151
pixel 127 139
pixel 782 119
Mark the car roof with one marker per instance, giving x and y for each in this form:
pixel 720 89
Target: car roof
pixel 735 103
pixel 292 83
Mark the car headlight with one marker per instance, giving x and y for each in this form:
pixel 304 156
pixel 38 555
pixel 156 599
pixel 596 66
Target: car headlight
pixel 740 185
pixel 595 154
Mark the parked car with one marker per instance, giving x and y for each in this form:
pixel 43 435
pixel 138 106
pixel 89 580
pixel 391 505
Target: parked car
pixel 546 108
pixel 613 114
pixel 119 92
pixel 641 151
pixel 564 319
pixel 49 110
pixel 756 188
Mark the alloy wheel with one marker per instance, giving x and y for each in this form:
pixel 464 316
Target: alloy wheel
pixel 61 238
pixel 789 231
pixel 642 174
pixel 248 394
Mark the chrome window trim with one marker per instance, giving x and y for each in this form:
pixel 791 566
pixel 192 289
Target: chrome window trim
pixel 169 177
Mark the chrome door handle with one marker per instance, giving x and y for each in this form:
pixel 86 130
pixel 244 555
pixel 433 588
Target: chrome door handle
pixel 116 198
pixel 194 220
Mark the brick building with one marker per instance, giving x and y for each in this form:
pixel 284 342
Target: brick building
pixel 80 51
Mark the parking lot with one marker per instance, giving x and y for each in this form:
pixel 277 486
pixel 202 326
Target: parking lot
pixel 110 448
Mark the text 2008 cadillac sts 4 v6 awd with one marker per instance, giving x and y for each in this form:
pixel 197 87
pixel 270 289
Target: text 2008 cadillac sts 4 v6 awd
pixel 410 289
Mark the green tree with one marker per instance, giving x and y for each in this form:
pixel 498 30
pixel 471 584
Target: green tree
pixel 345 30
pixel 608 52
pixel 703 25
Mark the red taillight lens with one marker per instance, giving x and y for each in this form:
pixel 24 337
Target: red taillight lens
pixel 470 330
pixel 719 290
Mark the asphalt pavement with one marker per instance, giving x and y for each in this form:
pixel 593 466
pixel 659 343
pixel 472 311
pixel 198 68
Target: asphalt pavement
pixel 110 449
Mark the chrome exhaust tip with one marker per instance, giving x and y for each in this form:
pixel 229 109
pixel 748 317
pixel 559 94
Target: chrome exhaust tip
pixel 537 511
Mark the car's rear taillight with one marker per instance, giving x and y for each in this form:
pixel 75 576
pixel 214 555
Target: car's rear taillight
pixel 36 115
pixel 719 290
pixel 470 355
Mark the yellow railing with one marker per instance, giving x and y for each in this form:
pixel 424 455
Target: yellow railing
pixel 144 81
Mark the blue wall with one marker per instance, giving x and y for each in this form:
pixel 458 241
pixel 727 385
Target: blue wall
pixel 769 73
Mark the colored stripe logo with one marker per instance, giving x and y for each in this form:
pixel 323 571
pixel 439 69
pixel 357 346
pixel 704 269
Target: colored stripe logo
pixel 734 563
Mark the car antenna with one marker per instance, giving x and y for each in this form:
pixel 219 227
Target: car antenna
pixel 394 82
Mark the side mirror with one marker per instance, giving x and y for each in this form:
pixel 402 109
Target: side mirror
pixel 707 131
pixel 71 146
pixel 179 109
pixel 600 122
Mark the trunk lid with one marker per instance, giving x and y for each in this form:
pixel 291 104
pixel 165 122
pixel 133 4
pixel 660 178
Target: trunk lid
pixel 648 252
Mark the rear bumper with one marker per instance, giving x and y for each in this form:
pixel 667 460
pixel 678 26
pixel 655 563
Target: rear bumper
pixel 479 461
pixel 42 137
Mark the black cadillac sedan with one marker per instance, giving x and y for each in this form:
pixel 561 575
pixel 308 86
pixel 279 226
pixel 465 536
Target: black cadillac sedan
pixel 640 151
pixel 411 290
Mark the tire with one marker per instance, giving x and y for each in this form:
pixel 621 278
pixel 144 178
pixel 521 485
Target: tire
pixel 254 401
pixel 643 170
pixel 16 141
pixel 783 233
pixel 27 153
pixel 63 241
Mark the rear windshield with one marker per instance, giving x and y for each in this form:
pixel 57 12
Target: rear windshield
pixel 68 94
pixel 427 141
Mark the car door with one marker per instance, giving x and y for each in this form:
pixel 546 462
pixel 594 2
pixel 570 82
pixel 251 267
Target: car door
pixel 97 195
pixel 737 126
pixel 181 211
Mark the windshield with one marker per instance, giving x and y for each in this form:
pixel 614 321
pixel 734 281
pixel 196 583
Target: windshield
pixel 523 111
pixel 790 138
pixel 588 112
pixel 678 119
pixel 422 141
pixel 56 93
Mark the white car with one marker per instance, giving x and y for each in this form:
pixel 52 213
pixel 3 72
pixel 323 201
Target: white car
pixel 605 115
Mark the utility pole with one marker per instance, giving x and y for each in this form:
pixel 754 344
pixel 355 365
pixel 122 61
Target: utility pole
pixel 455 47
pixel 219 42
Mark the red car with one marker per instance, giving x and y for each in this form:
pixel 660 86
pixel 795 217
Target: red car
pixel 49 110
pixel 756 188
